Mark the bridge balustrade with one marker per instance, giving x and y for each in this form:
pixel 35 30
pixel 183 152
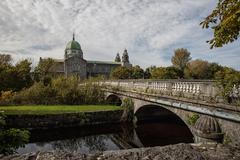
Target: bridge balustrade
pixel 197 89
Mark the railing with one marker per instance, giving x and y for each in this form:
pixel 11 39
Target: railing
pixel 196 87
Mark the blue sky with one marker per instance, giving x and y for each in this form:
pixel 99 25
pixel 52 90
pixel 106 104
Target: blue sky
pixel 150 29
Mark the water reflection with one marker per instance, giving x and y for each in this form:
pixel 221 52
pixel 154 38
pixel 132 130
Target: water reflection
pixel 96 138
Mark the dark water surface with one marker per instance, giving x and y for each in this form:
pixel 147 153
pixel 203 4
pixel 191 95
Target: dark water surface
pixel 96 138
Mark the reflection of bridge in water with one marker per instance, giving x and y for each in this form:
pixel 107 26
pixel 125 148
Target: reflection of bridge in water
pixel 182 98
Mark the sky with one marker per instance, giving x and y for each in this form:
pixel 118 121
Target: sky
pixel 149 29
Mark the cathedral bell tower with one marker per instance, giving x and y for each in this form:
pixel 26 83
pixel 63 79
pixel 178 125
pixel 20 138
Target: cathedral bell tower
pixel 73 59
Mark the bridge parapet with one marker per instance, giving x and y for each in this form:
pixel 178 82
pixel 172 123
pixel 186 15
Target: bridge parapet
pixel 196 89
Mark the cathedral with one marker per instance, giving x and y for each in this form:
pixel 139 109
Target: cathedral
pixel 75 64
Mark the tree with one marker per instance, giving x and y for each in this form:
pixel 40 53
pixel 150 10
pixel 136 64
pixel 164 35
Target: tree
pixel 137 72
pixel 148 72
pixel 11 139
pixel 166 73
pixel 23 69
pixel 5 59
pixel 197 69
pixel 181 58
pixel 43 68
pixel 227 78
pixel 225 22
pixel 121 73
pixel 213 69
pixel 14 77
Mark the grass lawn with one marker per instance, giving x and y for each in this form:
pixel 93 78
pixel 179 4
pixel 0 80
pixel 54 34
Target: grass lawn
pixel 55 109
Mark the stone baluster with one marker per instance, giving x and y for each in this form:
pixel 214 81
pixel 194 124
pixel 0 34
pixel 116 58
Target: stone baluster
pixel 181 87
pixel 190 88
pixel 173 87
pixel 194 88
pixel 178 87
pixel 187 87
pixel 197 88
pixel 184 87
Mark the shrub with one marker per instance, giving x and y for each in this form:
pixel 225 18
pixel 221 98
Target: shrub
pixel 38 93
pixel 192 119
pixel 12 138
pixel 6 97
pixel 127 105
pixel 226 80
pixel 61 90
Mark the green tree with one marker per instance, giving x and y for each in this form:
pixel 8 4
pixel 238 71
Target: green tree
pixel 121 73
pixel 137 72
pixel 12 138
pixel 148 72
pixel 181 58
pixel 226 79
pixel 14 77
pixel 166 73
pixel 213 69
pixel 5 59
pixel 42 70
pixel 225 22
pixel 197 69
pixel 23 69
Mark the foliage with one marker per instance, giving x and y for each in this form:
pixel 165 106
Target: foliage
pixel 181 58
pixel 38 93
pixel 121 73
pixel 14 77
pixel 225 22
pixel 11 139
pixel 43 68
pixel 198 69
pixel 5 59
pixel 166 73
pixel 6 97
pixel 137 72
pixel 67 90
pixel 226 79
pixel 148 71
pixel 61 90
pixel 192 119
pixel 127 106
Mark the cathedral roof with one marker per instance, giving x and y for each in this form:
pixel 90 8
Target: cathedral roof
pixel 73 44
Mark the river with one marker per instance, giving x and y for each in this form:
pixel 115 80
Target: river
pixel 94 138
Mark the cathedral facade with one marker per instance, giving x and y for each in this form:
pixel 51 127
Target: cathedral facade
pixel 75 64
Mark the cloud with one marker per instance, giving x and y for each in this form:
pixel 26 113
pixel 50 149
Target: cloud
pixel 150 30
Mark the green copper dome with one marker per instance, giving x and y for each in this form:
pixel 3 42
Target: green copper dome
pixel 73 45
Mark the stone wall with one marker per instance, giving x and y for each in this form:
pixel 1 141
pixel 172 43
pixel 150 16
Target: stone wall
pixel 63 120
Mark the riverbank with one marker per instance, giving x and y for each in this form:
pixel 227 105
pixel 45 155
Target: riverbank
pixel 55 109
pixel 174 152
pixel 61 120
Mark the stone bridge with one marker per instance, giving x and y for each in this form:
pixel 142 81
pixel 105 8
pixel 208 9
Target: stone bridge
pixel 183 99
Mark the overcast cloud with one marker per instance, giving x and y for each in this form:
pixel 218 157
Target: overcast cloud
pixel 149 29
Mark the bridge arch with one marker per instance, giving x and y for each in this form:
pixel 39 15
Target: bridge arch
pixel 168 124
pixel 114 99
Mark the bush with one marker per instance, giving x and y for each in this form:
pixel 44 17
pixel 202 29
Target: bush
pixel 192 119
pixel 62 90
pixel 226 80
pixel 37 94
pixel 6 97
pixel 11 139
pixel 128 106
